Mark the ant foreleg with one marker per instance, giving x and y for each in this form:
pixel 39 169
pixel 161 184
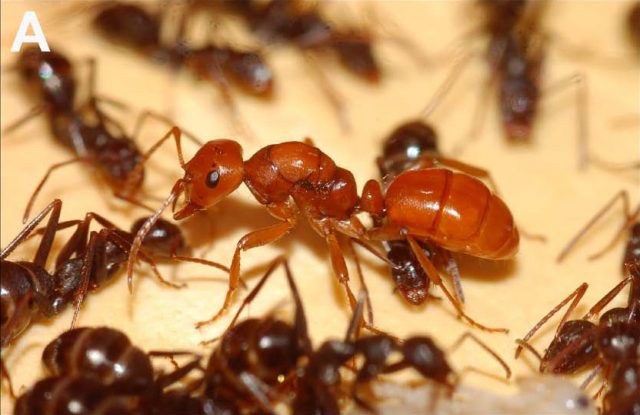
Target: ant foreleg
pixel 93 260
pixel 286 212
pixel 576 296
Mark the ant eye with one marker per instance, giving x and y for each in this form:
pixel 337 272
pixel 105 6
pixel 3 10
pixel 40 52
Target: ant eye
pixel 212 179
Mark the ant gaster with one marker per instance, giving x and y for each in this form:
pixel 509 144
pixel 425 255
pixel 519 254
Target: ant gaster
pixel 100 371
pixel 453 210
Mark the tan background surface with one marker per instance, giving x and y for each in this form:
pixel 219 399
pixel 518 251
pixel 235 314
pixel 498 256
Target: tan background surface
pixel 539 181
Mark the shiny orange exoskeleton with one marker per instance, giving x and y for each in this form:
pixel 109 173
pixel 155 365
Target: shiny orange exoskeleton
pixel 450 209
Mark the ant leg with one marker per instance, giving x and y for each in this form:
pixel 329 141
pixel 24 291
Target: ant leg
pixel 133 179
pixel 451 268
pixel 94 259
pixel 622 195
pixel 471 336
pixel 576 296
pixel 445 87
pixel 33 112
pixel 332 94
pixel 363 283
pixel 146 114
pixel 595 310
pixel 433 274
pixel 579 80
pixel 146 228
pixel 51 169
pixel 287 214
pixel 43 251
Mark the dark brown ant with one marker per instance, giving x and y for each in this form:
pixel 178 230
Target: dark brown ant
pixel 612 345
pixel 257 357
pixel 267 359
pixel 86 262
pixel 102 353
pixel 136 28
pixel 85 129
pixel 293 177
pixel 99 370
pixel 516 52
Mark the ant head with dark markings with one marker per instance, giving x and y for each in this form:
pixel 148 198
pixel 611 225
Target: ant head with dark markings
pixel 213 173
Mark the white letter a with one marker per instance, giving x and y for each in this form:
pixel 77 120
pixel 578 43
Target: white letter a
pixel 30 19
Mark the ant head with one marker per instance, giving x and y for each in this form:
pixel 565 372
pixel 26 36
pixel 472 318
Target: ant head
pixel 213 173
pixel 407 143
pixel 572 348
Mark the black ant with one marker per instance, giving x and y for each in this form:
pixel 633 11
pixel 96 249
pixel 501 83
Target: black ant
pixel 136 28
pixel 612 345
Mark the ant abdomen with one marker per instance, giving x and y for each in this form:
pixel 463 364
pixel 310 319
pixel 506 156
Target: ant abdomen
pixel 74 395
pixel 102 353
pixel 128 24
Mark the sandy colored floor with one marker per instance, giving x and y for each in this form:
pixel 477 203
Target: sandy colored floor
pixel 539 181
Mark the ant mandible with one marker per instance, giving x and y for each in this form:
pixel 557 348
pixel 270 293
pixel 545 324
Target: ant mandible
pixel 453 210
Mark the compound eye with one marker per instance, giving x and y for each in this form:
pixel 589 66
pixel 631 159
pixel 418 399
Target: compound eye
pixel 212 179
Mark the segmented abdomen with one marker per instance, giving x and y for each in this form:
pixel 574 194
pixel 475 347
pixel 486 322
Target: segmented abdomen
pixel 456 211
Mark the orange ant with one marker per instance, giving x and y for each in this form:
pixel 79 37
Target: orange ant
pixel 452 210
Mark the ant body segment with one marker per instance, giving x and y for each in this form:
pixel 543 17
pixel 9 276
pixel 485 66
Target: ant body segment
pixel 453 210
